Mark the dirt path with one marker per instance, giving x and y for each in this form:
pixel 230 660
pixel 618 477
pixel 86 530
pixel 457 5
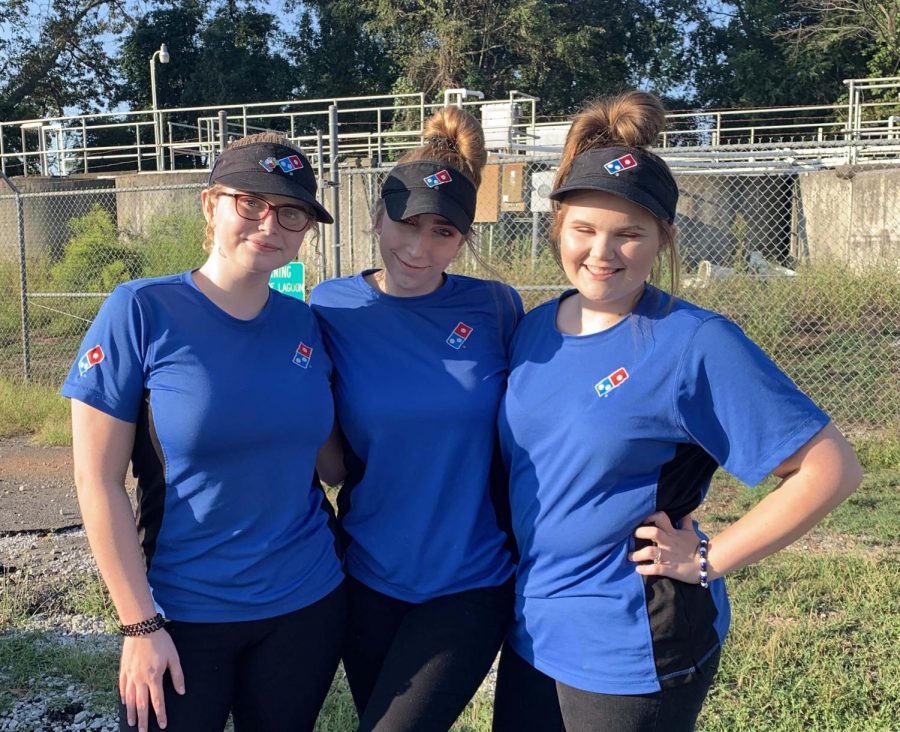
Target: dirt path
pixel 37 492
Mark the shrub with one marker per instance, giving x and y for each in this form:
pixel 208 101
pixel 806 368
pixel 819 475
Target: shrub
pixel 94 259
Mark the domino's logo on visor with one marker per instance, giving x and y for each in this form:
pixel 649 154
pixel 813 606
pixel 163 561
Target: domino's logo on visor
pixel 614 167
pixel 436 179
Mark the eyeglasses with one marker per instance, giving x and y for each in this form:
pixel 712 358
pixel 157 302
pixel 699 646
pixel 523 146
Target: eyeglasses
pixel 253 208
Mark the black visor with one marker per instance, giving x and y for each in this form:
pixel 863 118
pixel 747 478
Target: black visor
pixel 632 173
pixel 265 167
pixel 424 187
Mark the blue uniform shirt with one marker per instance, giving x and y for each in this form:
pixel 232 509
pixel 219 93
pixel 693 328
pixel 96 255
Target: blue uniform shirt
pixel 418 381
pixel 602 430
pixel 229 416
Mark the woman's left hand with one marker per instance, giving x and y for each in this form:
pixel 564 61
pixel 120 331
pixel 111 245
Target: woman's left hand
pixel 675 551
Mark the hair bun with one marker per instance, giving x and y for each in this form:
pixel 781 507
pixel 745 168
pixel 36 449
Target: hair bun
pixel 452 136
pixel 632 119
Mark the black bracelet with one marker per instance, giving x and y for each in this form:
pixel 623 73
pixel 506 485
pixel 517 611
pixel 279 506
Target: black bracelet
pixel 703 551
pixel 145 627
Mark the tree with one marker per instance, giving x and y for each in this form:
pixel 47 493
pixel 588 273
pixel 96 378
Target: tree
pixel 179 27
pixel 875 24
pixel 333 53
pixel 221 54
pixel 742 56
pixel 563 52
pixel 239 59
pixel 52 56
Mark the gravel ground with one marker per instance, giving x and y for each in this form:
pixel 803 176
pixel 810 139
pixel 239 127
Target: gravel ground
pixel 42 542
pixel 55 704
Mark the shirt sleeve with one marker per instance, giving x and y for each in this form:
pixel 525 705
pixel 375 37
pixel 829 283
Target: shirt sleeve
pixel 109 370
pixel 734 402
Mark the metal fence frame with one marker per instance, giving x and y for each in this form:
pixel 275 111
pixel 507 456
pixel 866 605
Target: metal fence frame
pixel 379 127
pixel 772 219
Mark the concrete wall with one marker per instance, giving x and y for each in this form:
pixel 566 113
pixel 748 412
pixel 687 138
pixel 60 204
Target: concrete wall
pixel 846 215
pixel 135 209
pixel 46 217
pixel 850 216
pixel 723 216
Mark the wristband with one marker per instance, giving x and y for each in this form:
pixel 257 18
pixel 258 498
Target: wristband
pixel 703 551
pixel 145 627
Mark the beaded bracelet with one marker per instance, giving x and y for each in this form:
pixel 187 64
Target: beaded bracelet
pixel 145 627
pixel 703 551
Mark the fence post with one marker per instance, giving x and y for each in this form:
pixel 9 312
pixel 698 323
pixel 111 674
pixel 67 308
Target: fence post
pixel 320 173
pixel 84 144
pixel 23 279
pixel 380 156
pixel 335 190
pixel 535 237
pixel 171 147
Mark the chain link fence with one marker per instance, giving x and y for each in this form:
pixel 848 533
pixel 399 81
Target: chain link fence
pixel 803 253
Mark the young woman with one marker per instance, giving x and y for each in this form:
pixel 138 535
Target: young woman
pixel 420 365
pixel 216 388
pixel 622 402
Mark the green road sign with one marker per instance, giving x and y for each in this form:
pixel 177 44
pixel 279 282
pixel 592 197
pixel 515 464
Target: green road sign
pixel 289 280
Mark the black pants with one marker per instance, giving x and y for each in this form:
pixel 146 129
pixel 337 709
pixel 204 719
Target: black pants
pixel 272 675
pixel 530 701
pixel 415 666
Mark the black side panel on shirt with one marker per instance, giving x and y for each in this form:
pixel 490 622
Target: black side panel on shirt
pixel 148 466
pixel 681 615
pixel 683 481
pixel 498 480
pixel 356 469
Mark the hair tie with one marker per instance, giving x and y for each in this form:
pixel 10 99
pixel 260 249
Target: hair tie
pixel 439 141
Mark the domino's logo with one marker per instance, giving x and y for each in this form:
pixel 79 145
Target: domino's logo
pixel 614 167
pixel 90 359
pixel 303 356
pixel 459 335
pixel 288 164
pixel 613 381
pixel 435 180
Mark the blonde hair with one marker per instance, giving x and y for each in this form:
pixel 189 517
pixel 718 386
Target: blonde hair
pixel 216 189
pixel 454 137
pixel 632 119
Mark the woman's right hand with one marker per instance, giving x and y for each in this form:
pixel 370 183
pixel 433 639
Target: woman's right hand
pixel 145 659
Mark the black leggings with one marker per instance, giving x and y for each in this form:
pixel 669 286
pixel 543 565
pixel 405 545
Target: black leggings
pixel 415 666
pixel 272 675
pixel 528 700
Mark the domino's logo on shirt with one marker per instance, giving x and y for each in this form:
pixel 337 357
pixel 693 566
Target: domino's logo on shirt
pixel 614 380
pixel 90 359
pixel 459 335
pixel 614 167
pixel 303 355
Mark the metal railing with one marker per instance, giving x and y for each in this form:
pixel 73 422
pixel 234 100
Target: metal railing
pixel 379 127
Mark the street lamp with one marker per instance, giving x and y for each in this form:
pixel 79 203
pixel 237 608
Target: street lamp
pixel 163 54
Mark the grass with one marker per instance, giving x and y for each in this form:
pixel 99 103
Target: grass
pixel 29 659
pixel 812 646
pixel 34 409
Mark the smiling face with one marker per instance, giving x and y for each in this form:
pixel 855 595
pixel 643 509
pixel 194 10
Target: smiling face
pixel 608 246
pixel 243 246
pixel 416 251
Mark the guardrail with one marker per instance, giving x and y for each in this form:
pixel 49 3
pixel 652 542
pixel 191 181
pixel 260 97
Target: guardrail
pixel 378 128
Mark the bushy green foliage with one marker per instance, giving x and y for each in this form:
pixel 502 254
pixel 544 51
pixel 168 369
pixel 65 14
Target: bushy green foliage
pixel 95 259
pixel 173 244
pixel 98 256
